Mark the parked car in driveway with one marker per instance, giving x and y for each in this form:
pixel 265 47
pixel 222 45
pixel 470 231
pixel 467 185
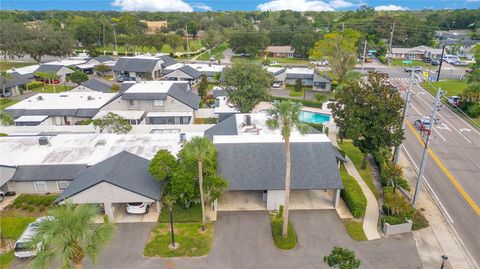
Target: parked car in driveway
pixel 276 85
pixel 454 100
pixel 23 246
pixel 414 69
pixel 138 208
pixel 423 124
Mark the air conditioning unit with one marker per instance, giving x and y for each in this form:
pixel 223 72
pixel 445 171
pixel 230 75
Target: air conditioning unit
pixel 183 137
pixel 43 141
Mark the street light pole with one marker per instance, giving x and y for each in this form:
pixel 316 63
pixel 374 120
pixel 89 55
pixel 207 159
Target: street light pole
pixel 441 62
pixel 396 156
pixel 171 226
pixel 436 107
pixel 444 259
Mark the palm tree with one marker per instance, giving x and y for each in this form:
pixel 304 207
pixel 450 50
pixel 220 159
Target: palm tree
pixel 70 236
pixel 200 149
pixel 5 77
pixel 5 118
pixel 285 116
pixel 51 77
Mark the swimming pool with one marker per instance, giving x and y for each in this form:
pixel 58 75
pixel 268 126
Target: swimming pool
pixel 317 118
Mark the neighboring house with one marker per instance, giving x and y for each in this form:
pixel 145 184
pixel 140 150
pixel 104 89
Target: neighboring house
pixel 279 51
pixel 66 108
pixel 61 71
pixel 251 157
pixel 142 67
pixel 6 173
pixel 89 66
pixel 41 179
pixel 211 71
pixel 93 85
pixel 155 26
pixel 183 73
pixel 279 74
pixel 321 82
pixel 114 182
pixel 308 76
pixel 16 84
pixel 164 102
pixel 223 109
pixel 415 53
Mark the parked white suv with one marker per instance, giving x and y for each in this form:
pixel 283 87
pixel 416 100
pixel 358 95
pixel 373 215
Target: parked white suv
pixel 138 208
pixel 23 246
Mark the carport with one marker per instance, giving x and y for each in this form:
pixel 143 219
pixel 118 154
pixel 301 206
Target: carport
pixel 114 182
pixel 242 201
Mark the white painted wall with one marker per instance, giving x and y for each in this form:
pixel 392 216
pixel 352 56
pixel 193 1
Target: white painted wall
pixel 275 198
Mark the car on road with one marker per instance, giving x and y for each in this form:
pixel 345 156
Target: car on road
pixel 23 246
pixel 454 100
pixel 435 62
pixel 414 69
pixel 423 124
pixel 460 63
pixel 138 208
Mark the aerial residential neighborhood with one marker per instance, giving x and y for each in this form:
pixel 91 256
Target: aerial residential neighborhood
pixel 244 134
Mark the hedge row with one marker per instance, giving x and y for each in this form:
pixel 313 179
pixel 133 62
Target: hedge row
pixel 381 158
pixel 303 102
pixel 352 194
pixel 35 85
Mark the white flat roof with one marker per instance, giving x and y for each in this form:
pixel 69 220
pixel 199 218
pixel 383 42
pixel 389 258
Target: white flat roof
pixel 65 100
pixel 174 66
pixel 86 66
pixel 126 114
pixel 68 62
pixel 26 69
pixel 31 118
pixel 269 138
pixel 297 70
pixel 85 148
pixel 170 114
pixel 161 86
pixel 208 67
pixel 274 69
pixel 224 106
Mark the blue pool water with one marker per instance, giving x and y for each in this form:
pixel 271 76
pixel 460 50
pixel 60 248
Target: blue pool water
pixel 317 118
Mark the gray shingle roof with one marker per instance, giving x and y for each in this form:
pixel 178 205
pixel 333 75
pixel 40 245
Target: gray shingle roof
pixel 49 68
pixel 261 166
pixel 167 60
pixel 144 96
pixel 103 58
pixel 299 76
pixel 97 85
pixel 124 170
pixel 135 65
pixel 80 112
pixel 17 79
pixel 227 126
pixel 188 70
pixel 48 172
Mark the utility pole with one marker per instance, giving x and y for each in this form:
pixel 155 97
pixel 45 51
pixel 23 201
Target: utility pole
pixel 396 156
pixel 436 106
pixel 441 62
pixel 188 45
pixel 364 54
pixel 390 44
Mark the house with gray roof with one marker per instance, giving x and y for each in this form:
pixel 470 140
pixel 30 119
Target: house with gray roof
pixel 415 53
pixel 141 67
pixel 16 83
pixel 91 63
pixel 61 71
pixel 183 73
pixel 114 182
pixel 162 102
pixel 93 85
pixel 251 157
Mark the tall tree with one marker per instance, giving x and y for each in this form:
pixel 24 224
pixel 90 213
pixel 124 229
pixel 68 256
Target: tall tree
pixel 12 36
pixel 342 258
pixel 5 77
pixel 285 116
pixel 46 41
pixel 78 77
pixel 162 165
pixel 203 87
pixel 200 149
pixel 70 236
pixel 247 84
pixel 248 42
pixel 339 49
pixel 114 123
pixel 369 113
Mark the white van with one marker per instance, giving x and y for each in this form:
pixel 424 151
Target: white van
pixel 449 58
pixel 23 246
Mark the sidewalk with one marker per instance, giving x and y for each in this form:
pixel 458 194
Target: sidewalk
pixel 438 239
pixel 370 220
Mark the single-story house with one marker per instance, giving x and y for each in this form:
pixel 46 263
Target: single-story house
pixel 415 53
pixel 183 73
pixel 142 67
pixel 89 66
pixel 44 178
pixel 251 158
pixel 93 85
pixel 308 77
pixel 15 84
pixel 61 71
pixel 211 71
pixel 66 108
pixel 114 182
pixel 279 51
pixel 279 74
pixel 164 102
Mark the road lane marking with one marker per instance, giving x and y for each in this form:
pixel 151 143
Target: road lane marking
pixel 464 130
pixel 428 185
pixel 446 171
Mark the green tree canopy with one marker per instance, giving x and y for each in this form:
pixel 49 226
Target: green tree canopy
pixel 247 84
pixel 78 77
pixel 342 258
pixel 369 113
pixel 248 42
pixel 113 123
pixel 203 87
pixel 162 165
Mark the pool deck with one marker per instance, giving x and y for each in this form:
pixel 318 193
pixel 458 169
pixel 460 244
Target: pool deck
pixel 324 110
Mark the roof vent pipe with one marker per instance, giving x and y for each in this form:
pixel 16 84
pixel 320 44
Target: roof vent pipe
pixel 248 120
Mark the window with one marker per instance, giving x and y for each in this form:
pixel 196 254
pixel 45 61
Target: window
pixel 132 103
pixel 40 186
pixel 62 185
pixel 158 103
pixel 321 85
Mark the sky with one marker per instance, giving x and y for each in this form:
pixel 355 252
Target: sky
pixel 263 5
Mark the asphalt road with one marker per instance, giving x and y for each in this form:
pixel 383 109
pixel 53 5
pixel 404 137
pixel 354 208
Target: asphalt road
pixel 453 166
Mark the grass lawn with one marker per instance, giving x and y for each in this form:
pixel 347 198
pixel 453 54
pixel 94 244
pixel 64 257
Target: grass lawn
pixel 4 103
pixel 289 60
pixel 453 87
pixel 192 241
pixel 355 229
pixel 399 62
pixel 283 243
pixel 12 228
pixel 357 156
pixel 250 59
pixel 50 89
pixel 180 214
pixel 6 259
pixel 216 52
pixel 9 65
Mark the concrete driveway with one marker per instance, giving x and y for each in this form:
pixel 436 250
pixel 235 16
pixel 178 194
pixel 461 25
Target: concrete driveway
pixel 243 240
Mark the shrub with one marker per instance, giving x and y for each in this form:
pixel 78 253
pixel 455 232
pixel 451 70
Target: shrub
pixel 280 212
pixel 85 122
pixel 3 134
pixel 353 195
pixel 320 97
pixel 303 102
pixel 419 221
pixel 396 205
pixel 35 85
pixel 295 93
pixel 393 220
pixel 473 110
pixel 286 243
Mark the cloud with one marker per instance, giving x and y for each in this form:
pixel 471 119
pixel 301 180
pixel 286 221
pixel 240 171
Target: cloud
pixel 304 5
pixel 202 7
pixel 390 8
pixel 153 5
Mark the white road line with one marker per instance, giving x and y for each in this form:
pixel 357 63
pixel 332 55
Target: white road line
pixel 440 115
pixel 434 129
pixel 428 185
